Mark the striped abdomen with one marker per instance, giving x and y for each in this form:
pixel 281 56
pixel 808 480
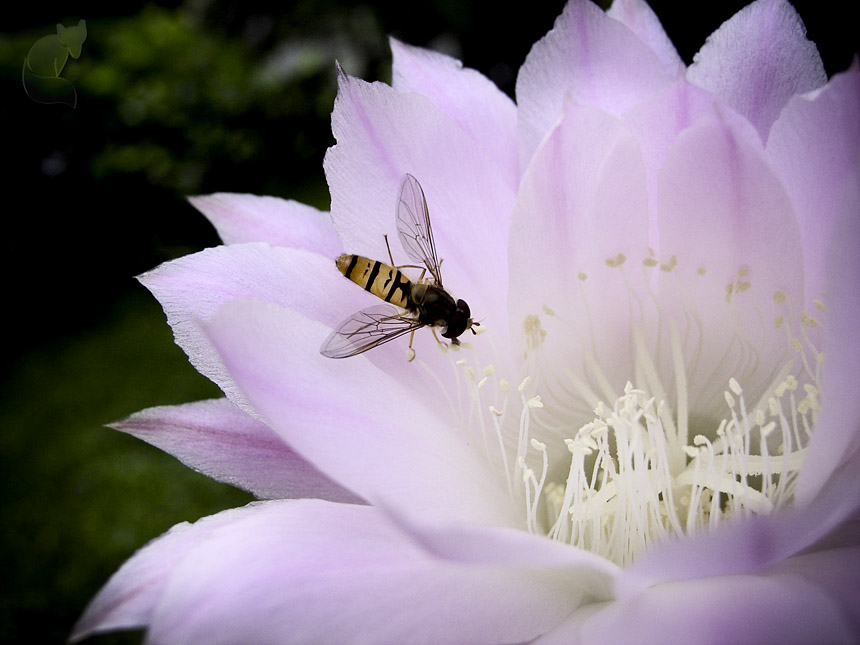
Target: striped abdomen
pixel 381 280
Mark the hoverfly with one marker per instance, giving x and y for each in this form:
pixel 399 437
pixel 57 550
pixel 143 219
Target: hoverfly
pixel 413 305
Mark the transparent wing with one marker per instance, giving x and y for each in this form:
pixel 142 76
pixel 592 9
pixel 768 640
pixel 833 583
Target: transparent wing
pixel 366 329
pixel 413 226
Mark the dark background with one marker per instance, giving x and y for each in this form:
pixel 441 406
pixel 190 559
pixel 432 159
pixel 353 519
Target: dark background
pixel 177 99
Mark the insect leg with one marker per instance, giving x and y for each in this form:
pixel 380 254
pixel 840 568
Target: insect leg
pixel 402 266
pixel 390 257
pixel 411 352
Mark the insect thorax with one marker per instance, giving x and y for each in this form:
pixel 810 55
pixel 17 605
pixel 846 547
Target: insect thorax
pixel 433 304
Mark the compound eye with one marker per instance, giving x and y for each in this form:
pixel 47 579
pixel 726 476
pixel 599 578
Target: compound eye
pixel 459 321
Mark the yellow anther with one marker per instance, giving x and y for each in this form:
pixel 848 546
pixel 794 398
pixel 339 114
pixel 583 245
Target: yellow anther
pixel 617 261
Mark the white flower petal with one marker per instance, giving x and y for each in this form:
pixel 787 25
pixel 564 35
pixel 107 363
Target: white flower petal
pixel 252 218
pixel 129 598
pixel 814 147
pixel 192 288
pixel 466 97
pixel 657 121
pixel 836 572
pixel 309 571
pixel 582 202
pixel 381 135
pixel 758 60
pixel 642 21
pixel 728 222
pixel 779 608
pixel 753 546
pixel 592 577
pixel 218 439
pixel 589 56
pixel 354 422
pixel 837 434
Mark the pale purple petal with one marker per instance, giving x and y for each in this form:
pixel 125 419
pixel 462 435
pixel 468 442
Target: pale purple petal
pixel 747 547
pixel 814 147
pixel 129 598
pixel 381 135
pixel 837 429
pixel 466 97
pixel 192 288
pixel 311 571
pixel 219 440
pixel 779 608
pixel 836 572
pixel 752 546
pixel 593 577
pixel 581 203
pixel 757 60
pixel 590 57
pixel 847 534
pixel 252 218
pixel 637 16
pixel 359 425
pixel 730 226
pixel 657 121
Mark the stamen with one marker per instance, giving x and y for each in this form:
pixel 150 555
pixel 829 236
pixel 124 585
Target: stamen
pixel 634 475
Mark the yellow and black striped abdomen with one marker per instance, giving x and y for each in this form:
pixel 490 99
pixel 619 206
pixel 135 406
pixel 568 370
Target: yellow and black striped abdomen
pixel 380 279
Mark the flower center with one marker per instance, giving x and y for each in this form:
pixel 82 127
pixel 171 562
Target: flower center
pixel 643 466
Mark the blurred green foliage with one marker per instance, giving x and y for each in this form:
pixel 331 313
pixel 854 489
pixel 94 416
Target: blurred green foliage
pixel 195 97
pixel 78 498
pixel 186 102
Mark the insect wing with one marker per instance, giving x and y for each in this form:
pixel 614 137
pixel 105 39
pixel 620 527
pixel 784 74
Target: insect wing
pixel 413 226
pixel 367 329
